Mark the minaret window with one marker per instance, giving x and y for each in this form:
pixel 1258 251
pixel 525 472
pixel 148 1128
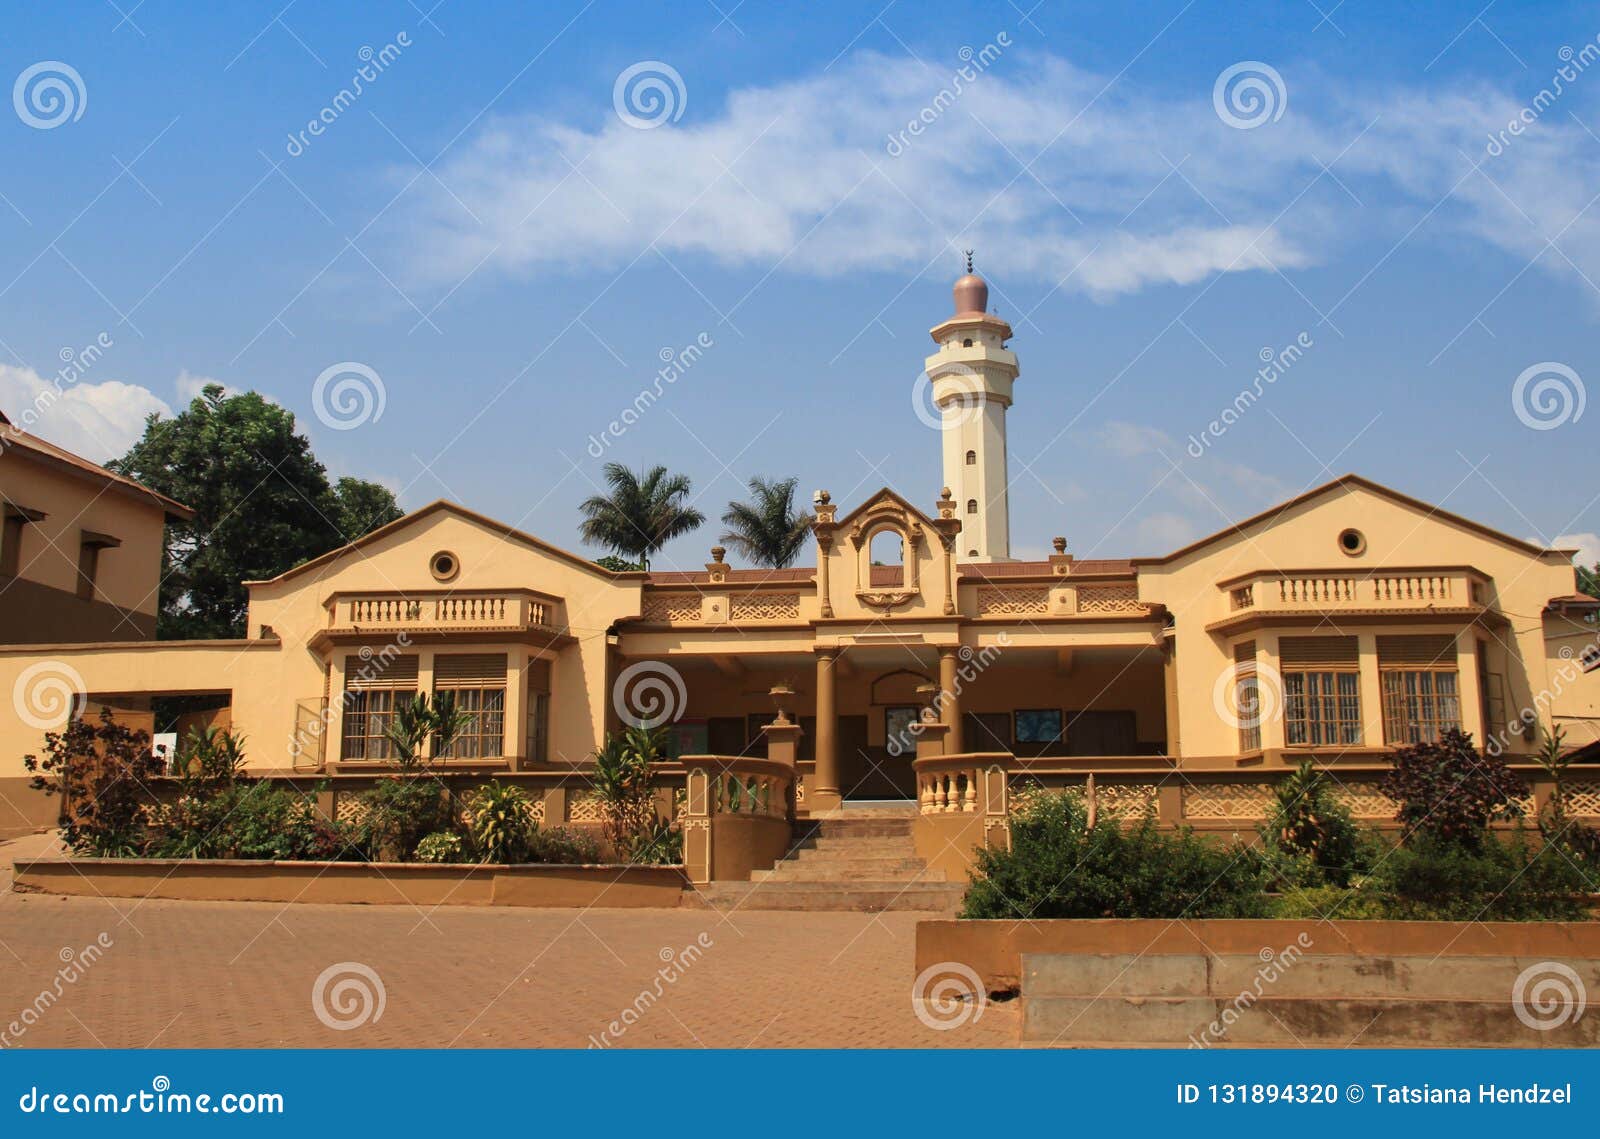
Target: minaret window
pixel 972 506
pixel 972 458
pixel 967 343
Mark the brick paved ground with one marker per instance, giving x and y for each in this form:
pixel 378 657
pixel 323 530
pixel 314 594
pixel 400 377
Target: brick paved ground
pixel 201 974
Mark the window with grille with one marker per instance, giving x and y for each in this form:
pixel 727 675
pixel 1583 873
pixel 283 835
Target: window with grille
pixel 1421 687
pixel 478 683
pixel 1321 691
pixel 539 711
pixel 372 689
pixel 1247 696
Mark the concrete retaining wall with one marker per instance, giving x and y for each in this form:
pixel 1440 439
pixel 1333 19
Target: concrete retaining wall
pixel 1282 983
pixel 363 883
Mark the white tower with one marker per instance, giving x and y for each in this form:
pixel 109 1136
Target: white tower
pixel 972 374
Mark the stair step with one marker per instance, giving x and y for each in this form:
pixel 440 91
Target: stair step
pixel 895 847
pixel 858 828
pixel 859 897
pixel 794 872
pixel 845 860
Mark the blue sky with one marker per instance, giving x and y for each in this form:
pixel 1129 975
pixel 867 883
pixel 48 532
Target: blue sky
pixel 483 231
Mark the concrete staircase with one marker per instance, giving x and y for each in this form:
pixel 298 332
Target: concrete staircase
pixel 861 861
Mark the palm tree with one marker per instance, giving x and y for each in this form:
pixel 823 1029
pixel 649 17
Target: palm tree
pixel 767 530
pixel 642 513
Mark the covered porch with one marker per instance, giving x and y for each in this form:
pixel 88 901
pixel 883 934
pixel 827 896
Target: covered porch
pixel 866 711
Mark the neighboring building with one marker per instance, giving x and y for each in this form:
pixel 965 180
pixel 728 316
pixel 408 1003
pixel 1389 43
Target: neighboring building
pixel 80 547
pixel 1356 618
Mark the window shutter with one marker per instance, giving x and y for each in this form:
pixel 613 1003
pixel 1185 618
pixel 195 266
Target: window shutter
pixel 1427 651
pixel 457 669
pixel 1244 653
pixel 399 674
pixel 1318 652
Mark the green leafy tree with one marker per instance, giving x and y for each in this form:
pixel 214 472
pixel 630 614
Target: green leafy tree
pixel 767 530
pixel 617 565
pixel 262 505
pixel 1589 580
pixel 642 512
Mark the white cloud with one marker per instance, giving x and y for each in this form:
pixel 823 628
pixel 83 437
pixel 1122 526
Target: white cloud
pixel 1587 545
pixel 1131 440
pixel 807 175
pixel 97 421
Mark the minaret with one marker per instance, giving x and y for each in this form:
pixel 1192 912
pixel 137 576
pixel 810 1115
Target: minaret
pixel 972 374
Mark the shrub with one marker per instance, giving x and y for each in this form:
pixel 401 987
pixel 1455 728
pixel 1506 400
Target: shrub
pixel 1310 840
pixel 499 819
pixel 102 773
pixel 622 784
pixel 441 846
pixel 401 811
pixel 1435 879
pixel 244 818
pixel 560 845
pixel 1060 867
pixel 1556 823
pixel 1449 792
pixel 661 845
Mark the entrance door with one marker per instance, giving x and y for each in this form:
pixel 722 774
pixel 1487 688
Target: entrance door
pixel 871 772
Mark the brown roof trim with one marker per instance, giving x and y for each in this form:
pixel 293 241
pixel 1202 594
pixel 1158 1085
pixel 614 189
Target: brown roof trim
pixel 18 442
pixel 460 511
pixel 1344 482
pixel 231 644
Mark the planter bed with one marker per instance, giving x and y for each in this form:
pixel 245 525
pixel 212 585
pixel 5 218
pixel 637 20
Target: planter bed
pixel 1280 982
pixel 362 883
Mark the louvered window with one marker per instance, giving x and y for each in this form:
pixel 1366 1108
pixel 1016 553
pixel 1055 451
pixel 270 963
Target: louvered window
pixel 1247 696
pixel 478 683
pixel 1321 691
pixel 1421 687
pixel 373 686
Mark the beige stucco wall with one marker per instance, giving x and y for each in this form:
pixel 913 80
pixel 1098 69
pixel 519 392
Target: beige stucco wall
pixel 591 601
pixel 128 575
pixel 1049 662
pixel 1397 535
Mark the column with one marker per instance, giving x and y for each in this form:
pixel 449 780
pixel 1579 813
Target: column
pixel 1370 686
pixel 515 737
pixel 950 700
pixel 825 796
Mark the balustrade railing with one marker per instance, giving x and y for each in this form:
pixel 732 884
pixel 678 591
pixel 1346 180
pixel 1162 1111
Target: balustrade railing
pixel 464 610
pixel 1314 590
